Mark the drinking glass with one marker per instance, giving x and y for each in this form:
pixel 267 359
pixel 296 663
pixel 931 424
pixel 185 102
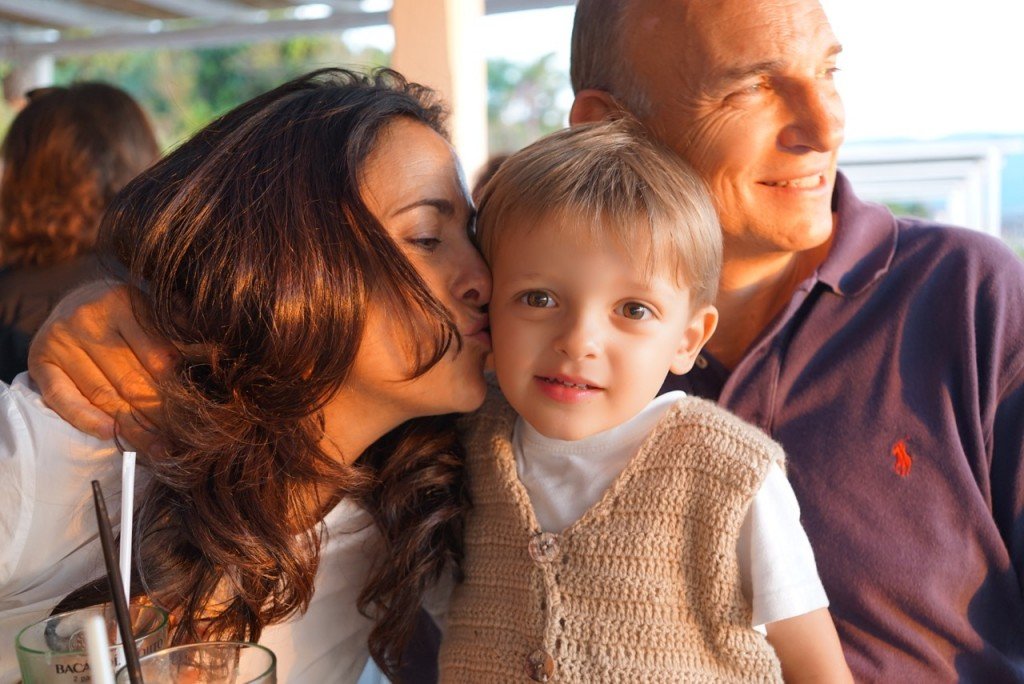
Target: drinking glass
pixel 52 651
pixel 223 662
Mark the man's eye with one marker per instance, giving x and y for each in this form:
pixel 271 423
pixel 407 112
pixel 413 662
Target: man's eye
pixel 635 311
pixel 538 299
pixel 755 88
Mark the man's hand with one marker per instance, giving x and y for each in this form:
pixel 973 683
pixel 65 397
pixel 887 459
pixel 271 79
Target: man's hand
pixel 95 366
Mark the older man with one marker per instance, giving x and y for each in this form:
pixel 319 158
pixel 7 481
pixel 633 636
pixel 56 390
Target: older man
pixel 887 355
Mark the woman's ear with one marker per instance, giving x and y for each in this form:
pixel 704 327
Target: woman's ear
pixel 702 325
pixel 593 105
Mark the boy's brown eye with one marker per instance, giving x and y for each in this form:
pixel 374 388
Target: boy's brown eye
pixel 540 300
pixel 635 311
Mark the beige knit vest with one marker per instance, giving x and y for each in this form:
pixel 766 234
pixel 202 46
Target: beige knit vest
pixel 643 588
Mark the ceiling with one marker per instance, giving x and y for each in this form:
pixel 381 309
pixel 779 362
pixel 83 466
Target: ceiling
pixel 33 28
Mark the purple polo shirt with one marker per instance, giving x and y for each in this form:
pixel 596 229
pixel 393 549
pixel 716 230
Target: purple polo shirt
pixel 895 381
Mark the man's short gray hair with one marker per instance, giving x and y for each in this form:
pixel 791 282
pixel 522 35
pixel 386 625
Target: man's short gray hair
pixel 598 60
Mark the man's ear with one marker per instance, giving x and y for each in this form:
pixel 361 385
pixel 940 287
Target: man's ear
pixel 593 105
pixel 702 325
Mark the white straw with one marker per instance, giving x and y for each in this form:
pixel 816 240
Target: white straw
pixel 127 506
pixel 97 646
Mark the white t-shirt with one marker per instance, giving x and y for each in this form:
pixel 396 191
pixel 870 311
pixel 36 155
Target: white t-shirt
pixel 565 478
pixel 49 545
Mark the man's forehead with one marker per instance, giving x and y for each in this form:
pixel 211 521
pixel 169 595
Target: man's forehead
pixel 708 43
pixel 728 25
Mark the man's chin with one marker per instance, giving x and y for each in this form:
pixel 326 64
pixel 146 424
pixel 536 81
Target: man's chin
pixel 807 235
pixel 808 232
pixel 818 234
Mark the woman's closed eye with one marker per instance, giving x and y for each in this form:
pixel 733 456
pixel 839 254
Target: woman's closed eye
pixel 426 242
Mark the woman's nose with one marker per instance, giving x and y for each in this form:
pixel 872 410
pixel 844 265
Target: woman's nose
pixel 474 284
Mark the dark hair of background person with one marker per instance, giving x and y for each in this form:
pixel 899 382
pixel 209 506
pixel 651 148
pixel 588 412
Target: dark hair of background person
pixel 250 248
pixel 486 173
pixel 65 155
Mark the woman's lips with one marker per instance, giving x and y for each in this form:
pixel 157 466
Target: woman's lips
pixel 479 332
pixel 483 337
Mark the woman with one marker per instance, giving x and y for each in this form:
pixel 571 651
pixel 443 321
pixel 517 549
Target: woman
pixel 307 256
pixel 65 156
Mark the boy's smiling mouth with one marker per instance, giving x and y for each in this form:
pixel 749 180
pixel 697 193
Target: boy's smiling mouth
pixel 576 383
pixel 566 389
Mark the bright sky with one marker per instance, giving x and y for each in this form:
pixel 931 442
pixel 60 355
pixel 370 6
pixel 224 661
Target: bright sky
pixel 916 69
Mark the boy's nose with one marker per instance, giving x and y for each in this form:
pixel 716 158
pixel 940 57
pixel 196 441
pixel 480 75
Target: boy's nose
pixel 579 339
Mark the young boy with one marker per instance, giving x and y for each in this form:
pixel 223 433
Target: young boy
pixel 616 536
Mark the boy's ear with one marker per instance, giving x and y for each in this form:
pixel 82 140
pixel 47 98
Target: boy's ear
pixel 702 325
pixel 593 105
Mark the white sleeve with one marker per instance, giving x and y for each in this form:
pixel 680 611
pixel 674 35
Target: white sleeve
pixel 48 535
pixel 777 568
pixel 437 598
pixel 17 486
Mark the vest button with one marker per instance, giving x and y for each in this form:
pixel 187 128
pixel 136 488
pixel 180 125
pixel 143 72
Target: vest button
pixel 540 666
pixel 544 547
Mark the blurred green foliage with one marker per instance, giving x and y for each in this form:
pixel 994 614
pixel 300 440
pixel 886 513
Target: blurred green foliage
pixel 918 209
pixel 183 90
pixel 523 102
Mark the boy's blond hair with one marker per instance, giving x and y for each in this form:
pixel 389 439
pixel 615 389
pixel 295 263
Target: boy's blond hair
pixel 606 180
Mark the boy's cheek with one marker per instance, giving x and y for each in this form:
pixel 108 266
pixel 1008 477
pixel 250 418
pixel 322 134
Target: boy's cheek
pixel 505 332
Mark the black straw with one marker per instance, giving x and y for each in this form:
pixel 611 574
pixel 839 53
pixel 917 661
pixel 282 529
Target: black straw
pixel 124 621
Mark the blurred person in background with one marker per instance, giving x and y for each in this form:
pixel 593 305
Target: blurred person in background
pixel 64 157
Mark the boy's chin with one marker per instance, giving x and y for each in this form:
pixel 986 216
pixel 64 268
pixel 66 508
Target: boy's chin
pixel 564 430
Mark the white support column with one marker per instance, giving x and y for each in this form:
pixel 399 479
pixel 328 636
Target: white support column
pixel 437 44
pixel 34 72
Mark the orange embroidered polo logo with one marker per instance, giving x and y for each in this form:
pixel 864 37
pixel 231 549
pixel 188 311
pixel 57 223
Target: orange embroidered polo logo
pixel 903 458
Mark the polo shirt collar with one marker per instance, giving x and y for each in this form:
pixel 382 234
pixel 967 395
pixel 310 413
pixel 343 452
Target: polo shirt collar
pixel 864 244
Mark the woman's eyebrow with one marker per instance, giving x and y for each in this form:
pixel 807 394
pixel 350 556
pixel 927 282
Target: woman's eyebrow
pixel 443 206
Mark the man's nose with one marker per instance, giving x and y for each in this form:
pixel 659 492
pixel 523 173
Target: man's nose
pixel 816 118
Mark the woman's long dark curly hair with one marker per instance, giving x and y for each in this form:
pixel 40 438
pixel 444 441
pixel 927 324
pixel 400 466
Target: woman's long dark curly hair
pixel 250 249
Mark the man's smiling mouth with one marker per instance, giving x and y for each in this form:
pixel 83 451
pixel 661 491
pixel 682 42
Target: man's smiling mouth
pixel 811 181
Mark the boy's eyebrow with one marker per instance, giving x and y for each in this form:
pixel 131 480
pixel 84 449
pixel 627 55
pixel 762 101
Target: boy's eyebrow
pixel 443 206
